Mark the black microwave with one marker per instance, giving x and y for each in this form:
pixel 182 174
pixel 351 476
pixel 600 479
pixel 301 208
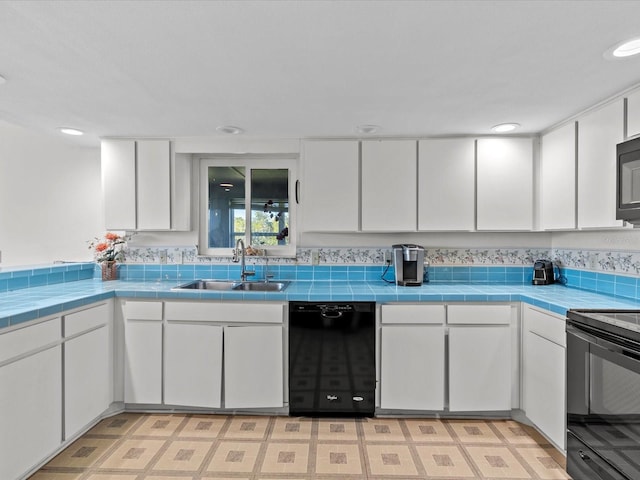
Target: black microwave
pixel 628 181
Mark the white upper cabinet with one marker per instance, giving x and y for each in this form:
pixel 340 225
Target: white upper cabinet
pixel 118 165
pixel 154 185
pixel 145 186
pixel 504 184
pixel 598 134
pixel 389 186
pixel 558 179
pixel 330 192
pixel 633 114
pixel 446 189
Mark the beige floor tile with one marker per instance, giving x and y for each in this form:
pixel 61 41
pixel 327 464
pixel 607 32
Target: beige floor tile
pixel 497 462
pixel 515 433
pixel 444 461
pixel 337 458
pixel 390 460
pixel 248 428
pixel 286 428
pixel 542 461
pixel 47 475
pixel 234 457
pixel 157 425
pixel 82 453
pixel 203 426
pixel 473 431
pixel 185 456
pixel 164 477
pixel 286 458
pixel 339 429
pixel 382 430
pixel 133 454
pixel 116 425
pixel 116 476
pixel 428 430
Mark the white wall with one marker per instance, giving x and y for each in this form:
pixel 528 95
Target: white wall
pixel 50 198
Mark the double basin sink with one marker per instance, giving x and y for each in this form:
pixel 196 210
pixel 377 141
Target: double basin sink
pixel 231 285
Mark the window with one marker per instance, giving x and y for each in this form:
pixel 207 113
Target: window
pixel 247 198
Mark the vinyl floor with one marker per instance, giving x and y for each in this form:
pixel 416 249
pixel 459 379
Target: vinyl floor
pixel 134 446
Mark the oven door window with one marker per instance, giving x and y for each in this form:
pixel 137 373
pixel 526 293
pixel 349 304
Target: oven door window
pixel 603 402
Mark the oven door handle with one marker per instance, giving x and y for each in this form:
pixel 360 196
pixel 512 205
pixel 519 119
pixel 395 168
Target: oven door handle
pixel 603 343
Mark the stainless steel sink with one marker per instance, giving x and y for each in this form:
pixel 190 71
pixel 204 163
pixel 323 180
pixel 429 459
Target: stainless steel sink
pixel 262 286
pixel 228 285
pixel 208 285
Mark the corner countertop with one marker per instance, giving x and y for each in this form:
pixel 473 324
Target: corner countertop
pixel 19 306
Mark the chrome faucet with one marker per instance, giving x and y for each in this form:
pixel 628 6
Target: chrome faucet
pixel 243 272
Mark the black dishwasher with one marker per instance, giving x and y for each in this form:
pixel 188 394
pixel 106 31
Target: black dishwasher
pixel 332 369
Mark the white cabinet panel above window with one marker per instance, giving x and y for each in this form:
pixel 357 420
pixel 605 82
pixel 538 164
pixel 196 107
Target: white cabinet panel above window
pixel 633 114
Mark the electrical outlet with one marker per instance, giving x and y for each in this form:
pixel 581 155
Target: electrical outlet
pixel 315 257
pixel 388 258
pixel 593 261
pixel 179 257
pixel 163 256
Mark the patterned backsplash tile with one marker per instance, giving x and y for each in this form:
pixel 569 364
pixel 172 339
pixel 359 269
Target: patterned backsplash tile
pixel 623 262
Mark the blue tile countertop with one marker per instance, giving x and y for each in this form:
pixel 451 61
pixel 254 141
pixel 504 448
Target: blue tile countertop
pixel 26 304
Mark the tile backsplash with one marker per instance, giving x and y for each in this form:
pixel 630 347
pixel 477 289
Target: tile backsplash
pixel 622 262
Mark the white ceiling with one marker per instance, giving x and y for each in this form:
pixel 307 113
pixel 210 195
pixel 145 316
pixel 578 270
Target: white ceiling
pixel 308 68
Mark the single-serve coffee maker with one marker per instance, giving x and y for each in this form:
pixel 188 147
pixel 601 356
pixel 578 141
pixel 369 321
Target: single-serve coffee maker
pixel 408 260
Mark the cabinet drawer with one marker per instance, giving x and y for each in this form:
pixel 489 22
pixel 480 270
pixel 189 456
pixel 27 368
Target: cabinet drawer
pixel 479 314
pixel 418 314
pixel 547 325
pixel 249 312
pixel 86 319
pixel 143 310
pixel 26 339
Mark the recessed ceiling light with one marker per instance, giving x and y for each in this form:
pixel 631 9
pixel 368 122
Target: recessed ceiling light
pixel 505 127
pixel 230 130
pixel 367 129
pixel 624 49
pixel 71 131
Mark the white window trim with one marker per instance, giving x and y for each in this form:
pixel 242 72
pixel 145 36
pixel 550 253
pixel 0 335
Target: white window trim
pixel 282 161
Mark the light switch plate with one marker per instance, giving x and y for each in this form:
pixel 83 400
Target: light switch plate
pixel 163 256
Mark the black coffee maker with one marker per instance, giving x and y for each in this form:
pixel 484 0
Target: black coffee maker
pixel 543 272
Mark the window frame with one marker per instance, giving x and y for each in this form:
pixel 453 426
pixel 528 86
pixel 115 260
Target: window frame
pixel 249 162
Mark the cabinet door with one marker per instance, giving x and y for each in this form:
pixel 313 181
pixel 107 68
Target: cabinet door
pixel 331 186
pixel 31 406
pixel 505 184
pixel 558 176
pixel 143 362
pixel 479 368
pixel 544 386
pixel 598 134
pixel 118 165
pixel 633 114
pixel 193 365
pixel 446 184
pixel 153 182
pixel 412 367
pixel 253 367
pixel 389 186
pixel 87 382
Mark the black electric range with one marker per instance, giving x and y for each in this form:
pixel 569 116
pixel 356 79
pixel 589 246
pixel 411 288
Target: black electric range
pixel 603 394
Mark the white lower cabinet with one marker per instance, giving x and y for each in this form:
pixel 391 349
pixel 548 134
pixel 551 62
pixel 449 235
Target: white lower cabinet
pixel 143 352
pixel 193 365
pixel 480 368
pixel 412 357
pixel 88 370
pixel 253 366
pixel 544 373
pixel 30 397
